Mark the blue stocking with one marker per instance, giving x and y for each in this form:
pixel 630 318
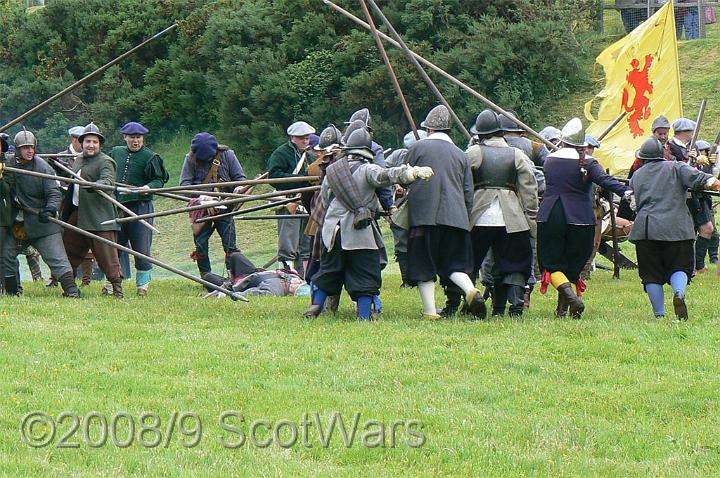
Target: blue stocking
pixel 364 303
pixel 657 297
pixel 679 281
pixel 319 297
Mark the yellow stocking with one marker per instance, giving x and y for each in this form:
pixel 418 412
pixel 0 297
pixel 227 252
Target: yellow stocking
pixel 557 279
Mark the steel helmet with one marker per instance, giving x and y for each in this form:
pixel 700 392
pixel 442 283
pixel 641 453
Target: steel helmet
pixel 573 133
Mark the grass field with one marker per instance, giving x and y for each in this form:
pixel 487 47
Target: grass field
pixel 617 393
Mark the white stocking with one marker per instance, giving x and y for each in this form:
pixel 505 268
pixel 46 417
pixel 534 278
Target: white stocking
pixel 427 294
pixel 463 281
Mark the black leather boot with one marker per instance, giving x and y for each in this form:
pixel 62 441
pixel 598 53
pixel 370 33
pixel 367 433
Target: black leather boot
pixel 11 286
pixel 562 306
pixel 499 299
pixel 403 265
pixel 453 299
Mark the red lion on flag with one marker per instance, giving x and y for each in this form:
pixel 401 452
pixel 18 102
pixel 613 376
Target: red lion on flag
pixel 639 81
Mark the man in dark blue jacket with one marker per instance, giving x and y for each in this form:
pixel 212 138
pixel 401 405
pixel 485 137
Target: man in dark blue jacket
pixel 210 162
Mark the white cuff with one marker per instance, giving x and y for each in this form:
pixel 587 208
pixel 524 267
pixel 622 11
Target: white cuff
pixel 709 183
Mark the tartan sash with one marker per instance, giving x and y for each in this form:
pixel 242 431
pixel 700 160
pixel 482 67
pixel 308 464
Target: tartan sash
pixel 339 177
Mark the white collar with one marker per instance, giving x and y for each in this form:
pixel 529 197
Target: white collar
pixel 569 153
pixel 495 141
pixel 678 142
pixel 440 135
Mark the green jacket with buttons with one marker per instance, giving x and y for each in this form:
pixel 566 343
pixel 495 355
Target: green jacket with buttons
pixel 141 168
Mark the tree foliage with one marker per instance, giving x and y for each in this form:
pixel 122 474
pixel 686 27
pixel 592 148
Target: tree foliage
pixel 246 69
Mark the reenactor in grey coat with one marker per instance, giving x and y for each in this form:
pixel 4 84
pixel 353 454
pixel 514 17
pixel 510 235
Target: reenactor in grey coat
pixel 355 249
pixel 504 211
pixel 42 195
pixel 664 233
pixel 439 211
pixel 400 235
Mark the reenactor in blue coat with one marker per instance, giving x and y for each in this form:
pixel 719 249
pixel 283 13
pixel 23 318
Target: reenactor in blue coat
pixel 566 219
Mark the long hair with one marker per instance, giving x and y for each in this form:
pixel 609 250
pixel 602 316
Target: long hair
pixel 582 160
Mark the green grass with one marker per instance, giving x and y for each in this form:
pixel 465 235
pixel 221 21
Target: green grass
pixel 615 394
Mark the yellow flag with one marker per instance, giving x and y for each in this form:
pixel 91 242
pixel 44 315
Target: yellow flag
pixel 642 78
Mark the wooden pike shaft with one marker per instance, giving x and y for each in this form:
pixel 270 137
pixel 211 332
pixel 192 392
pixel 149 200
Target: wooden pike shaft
pixel 167 195
pixel 85 79
pixel 107 196
pixel 272 216
pixel 612 125
pixel 105 187
pixel 446 75
pixel 244 182
pixel 615 242
pixel 175 270
pixel 390 68
pixel 419 68
pixel 200 192
pixel 213 204
pixel 704 191
pixel 245 211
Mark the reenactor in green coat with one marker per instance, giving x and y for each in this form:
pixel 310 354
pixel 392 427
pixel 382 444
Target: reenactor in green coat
pixel 138 165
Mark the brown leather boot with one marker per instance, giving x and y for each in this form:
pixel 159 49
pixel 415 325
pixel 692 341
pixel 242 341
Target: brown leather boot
pixel 117 288
pixel 332 303
pixel 575 304
pixel 313 311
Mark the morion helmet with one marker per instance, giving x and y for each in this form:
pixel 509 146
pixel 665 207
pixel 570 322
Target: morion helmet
pixel 329 138
pixel 362 115
pixel 508 124
pixel 651 149
pixel 25 138
pixel 352 127
pixel 573 134
pixel 438 119
pixel 94 130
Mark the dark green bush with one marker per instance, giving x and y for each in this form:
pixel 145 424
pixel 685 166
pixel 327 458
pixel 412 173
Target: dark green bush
pixel 246 69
